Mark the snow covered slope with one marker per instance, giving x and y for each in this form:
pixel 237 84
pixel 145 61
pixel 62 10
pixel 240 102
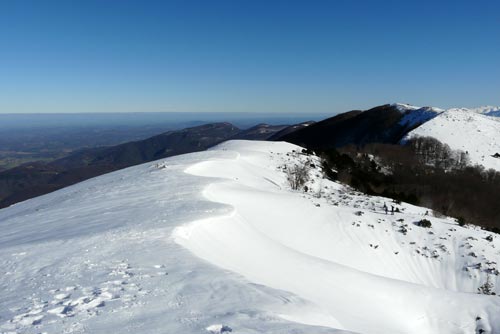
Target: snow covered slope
pixel 216 242
pixel 414 116
pixel 476 131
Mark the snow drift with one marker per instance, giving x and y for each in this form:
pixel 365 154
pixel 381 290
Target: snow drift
pixel 217 242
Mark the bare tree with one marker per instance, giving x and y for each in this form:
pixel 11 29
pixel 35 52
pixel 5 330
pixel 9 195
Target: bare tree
pixel 297 175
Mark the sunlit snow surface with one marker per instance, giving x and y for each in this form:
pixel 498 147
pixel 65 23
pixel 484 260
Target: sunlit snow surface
pixel 475 131
pixel 216 242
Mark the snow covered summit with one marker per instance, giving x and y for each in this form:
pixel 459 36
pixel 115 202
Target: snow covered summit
pixel 414 116
pixel 217 242
pixel 475 131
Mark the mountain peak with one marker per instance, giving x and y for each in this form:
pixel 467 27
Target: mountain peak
pixel 405 107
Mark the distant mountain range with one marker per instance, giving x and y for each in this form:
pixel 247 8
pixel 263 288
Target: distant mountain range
pixel 472 130
pixel 383 124
pixel 34 179
pixel 475 131
pixel 38 178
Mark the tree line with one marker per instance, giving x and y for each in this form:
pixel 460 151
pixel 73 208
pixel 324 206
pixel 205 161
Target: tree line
pixel 423 172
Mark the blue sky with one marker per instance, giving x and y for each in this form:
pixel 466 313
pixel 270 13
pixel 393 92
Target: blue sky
pixel 246 56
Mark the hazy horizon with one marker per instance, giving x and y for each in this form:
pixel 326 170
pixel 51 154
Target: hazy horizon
pixel 141 119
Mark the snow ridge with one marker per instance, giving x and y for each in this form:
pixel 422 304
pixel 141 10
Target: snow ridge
pixel 414 116
pixel 324 258
pixel 216 242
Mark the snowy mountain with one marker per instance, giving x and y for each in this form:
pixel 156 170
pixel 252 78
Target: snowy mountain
pixel 382 124
pixel 414 116
pixel 218 242
pixel 475 131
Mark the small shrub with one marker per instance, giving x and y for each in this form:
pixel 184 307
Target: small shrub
pixel 424 223
pixel 297 176
pixel 487 288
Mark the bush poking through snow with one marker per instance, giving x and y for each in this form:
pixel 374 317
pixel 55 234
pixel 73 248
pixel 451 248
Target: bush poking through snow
pixel 424 223
pixel 487 288
pixel 297 175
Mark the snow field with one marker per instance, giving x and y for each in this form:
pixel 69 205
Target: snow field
pixel 216 242
pixel 308 246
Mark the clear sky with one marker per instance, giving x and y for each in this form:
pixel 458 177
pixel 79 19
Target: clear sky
pixel 246 55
